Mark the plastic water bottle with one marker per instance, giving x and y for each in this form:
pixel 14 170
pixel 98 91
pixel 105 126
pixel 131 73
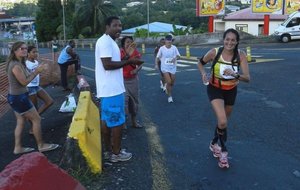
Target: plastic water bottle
pixel 81 83
pixel 208 78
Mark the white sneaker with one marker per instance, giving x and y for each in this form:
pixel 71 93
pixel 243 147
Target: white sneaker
pixel 216 149
pixel 170 99
pixel 106 155
pixel 165 88
pixel 223 160
pixel 161 85
pixel 121 157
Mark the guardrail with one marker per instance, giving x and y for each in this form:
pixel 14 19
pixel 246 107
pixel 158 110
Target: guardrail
pixel 4 106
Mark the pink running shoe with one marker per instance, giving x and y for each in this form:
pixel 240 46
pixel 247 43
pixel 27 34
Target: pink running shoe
pixel 216 149
pixel 223 160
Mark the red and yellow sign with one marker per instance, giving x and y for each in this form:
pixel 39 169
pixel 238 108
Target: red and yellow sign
pixel 210 7
pixel 291 6
pixel 267 6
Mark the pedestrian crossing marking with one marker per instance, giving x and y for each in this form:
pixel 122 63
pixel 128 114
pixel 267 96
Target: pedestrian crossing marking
pixel 148 68
pixel 182 65
pixel 87 68
pixel 187 61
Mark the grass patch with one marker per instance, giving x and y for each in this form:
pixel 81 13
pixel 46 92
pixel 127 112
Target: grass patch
pixel 84 175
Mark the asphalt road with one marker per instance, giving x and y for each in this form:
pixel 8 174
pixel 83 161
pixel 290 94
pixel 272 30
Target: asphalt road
pixel 171 151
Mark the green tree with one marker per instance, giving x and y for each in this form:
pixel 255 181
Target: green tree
pixel 92 13
pixel 181 31
pixel 70 20
pixel 48 19
pixel 23 10
pixel 132 19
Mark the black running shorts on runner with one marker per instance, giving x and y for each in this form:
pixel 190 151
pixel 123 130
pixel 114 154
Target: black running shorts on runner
pixel 227 95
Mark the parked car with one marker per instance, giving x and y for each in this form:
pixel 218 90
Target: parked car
pixel 289 29
pixel 15 32
pixel 8 35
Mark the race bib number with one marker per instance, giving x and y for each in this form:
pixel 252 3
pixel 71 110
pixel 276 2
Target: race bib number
pixel 223 67
pixel 168 61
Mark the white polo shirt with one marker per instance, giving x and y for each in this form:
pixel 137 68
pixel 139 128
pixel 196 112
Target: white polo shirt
pixel 108 82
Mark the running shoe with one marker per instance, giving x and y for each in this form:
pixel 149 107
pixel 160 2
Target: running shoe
pixel 165 88
pixel 121 157
pixel 106 155
pixel 161 85
pixel 216 149
pixel 170 99
pixel 223 160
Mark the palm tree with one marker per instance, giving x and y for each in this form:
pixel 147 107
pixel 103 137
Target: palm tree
pixel 92 13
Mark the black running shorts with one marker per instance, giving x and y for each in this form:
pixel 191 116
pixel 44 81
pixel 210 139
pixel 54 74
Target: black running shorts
pixel 227 95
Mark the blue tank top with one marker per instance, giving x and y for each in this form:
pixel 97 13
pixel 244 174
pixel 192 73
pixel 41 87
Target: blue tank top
pixel 64 56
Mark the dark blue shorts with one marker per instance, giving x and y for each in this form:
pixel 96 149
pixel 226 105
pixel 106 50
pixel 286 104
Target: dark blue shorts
pixel 20 103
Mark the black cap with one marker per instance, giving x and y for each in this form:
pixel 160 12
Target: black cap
pixel 169 37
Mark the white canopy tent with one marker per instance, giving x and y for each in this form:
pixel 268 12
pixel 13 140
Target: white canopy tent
pixel 157 27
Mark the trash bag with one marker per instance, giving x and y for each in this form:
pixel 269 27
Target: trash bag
pixel 69 105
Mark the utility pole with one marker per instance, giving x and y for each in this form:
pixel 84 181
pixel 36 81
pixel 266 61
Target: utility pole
pixel 148 17
pixel 64 19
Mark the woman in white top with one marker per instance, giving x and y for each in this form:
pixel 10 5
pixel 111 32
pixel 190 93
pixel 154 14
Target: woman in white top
pixel 168 55
pixel 35 91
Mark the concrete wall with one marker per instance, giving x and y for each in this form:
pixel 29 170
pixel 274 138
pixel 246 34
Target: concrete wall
pixel 253 26
pixel 194 39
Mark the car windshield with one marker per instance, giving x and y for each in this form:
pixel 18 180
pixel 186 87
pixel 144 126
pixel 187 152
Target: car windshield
pixel 286 21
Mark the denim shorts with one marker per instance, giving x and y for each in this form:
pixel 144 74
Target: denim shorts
pixel 32 90
pixel 113 110
pixel 20 103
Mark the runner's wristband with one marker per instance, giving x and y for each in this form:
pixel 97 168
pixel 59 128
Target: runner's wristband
pixel 201 61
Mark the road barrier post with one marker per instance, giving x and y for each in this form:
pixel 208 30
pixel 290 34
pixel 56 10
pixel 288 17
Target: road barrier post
pixel 188 54
pixel 143 49
pixel 249 54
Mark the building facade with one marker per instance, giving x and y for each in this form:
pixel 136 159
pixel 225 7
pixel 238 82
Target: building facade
pixel 245 20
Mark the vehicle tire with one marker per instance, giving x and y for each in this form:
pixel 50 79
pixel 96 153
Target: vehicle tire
pixel 285 38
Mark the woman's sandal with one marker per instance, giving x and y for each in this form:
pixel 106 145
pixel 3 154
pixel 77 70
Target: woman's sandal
pixel 25 150
pixel 49 147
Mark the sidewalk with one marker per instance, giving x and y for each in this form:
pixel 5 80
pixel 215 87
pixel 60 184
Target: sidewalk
pixel 55 126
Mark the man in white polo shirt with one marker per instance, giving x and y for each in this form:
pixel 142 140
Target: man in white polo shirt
pixel 110 89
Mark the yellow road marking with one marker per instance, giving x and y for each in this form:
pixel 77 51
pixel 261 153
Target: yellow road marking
pixel 157 158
